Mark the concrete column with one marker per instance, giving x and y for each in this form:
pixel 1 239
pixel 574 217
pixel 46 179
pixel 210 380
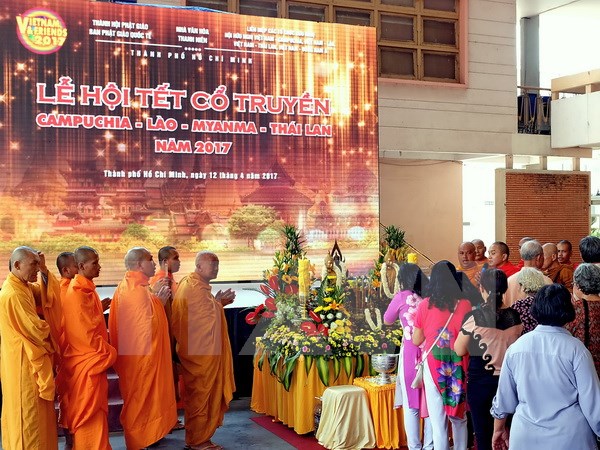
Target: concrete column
pixel 530 51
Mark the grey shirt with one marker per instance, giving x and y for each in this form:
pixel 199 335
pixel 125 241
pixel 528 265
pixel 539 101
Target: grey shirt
pixel 548 380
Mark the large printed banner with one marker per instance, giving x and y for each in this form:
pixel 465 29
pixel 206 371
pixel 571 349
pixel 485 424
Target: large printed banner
pixel 129 125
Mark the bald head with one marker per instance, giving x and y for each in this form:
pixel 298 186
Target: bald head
pixel 65 262
pixel 550 255
pixel 207 265
pixel 466 255
pixel 139 259
pixel 479 250
pixel 88 262
pixel 25 264
pixel 84 254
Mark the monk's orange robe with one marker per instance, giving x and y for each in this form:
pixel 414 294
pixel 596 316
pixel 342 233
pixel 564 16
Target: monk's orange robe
pixel 140 333
pixel 64 285
pixel 82 380
pixel 471 272
pixel 52 310
pixel 159 276
pixel 203 347
pixel 28 418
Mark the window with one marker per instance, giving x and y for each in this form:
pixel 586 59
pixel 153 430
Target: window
pixel 417 39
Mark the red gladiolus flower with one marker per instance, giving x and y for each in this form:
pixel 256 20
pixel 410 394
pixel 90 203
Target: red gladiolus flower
pixel 251 318
pixel 309 328
pixel 265 289
pixel 270 304
pixel 274 283
pixel 314 316
pixel 268 314
pixel 291 289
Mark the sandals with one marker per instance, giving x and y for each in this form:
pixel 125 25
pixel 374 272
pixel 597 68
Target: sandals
pixel 207 446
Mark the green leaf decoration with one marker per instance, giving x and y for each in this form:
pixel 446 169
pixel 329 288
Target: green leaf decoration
pixel 372 372
pixel 273 360
pixel 289 365
pixel 308 362
pixel 360 365
pixel 323 370
pixel 347 365
pixel 261 361
pixel 336 368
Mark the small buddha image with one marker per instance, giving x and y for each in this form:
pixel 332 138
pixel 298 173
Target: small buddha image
pixel 389 274
pixel 334 270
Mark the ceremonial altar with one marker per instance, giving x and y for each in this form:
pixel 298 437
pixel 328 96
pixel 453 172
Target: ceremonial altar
pixel 295 407
pixel 320 333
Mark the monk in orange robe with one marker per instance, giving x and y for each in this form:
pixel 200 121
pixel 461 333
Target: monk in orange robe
pixel 82 382
pixel 169 263
pixel 467 263
pixel 140 332
pixel 67 268
pixel 203 347
pixel 28 419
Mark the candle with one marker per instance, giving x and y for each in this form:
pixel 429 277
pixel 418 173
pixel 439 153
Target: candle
pixel 412 258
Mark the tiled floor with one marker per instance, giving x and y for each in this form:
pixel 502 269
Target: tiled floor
pixel 237 432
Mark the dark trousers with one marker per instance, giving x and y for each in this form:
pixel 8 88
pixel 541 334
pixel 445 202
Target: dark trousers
pixel 480 393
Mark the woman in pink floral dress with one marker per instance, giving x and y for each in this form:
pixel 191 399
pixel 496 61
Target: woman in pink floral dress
pixel 437 324
pixel 403 307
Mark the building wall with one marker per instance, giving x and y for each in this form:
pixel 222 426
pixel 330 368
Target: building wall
pixel 546 205
pixel 424 198
pixel 478 117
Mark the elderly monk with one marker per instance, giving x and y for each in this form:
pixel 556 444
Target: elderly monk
pixel 467 263
pixel 82 379
pixel 557 272
pixel 140 332
pixel 203 347
pixel 28 419
pixel 480 249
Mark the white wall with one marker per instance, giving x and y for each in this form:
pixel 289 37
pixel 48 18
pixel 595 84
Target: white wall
pixel 569 39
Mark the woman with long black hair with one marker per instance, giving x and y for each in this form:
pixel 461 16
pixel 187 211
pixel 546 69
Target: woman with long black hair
pixel 485 335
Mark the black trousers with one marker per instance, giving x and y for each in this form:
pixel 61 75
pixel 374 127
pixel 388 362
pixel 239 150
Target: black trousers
pixel 480 393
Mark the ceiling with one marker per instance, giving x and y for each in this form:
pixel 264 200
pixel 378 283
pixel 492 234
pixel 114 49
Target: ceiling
pixel 528 8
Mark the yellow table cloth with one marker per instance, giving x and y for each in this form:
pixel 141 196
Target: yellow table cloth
pixel 388 422
pixel 346 422
pixel 294 408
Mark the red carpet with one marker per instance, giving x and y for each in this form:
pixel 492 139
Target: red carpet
pixel 306 442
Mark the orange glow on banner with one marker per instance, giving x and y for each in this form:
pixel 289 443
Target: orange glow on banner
pixel 129 125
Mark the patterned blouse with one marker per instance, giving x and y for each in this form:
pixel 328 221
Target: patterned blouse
pixel 523 307
pixel 578 327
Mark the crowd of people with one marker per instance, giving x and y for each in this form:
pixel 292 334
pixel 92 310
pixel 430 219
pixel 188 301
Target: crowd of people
pixel 511 352
pixel 55 344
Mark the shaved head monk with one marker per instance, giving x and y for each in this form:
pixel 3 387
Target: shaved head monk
pixel 553 269
pixel 480 249
pixel 82 379
pixel 28 419
pixel 467 263
pixel 169 263
pixel 565 251
pixel 204 350
pixel 140 332
pixel 67 268
pixel 499 253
